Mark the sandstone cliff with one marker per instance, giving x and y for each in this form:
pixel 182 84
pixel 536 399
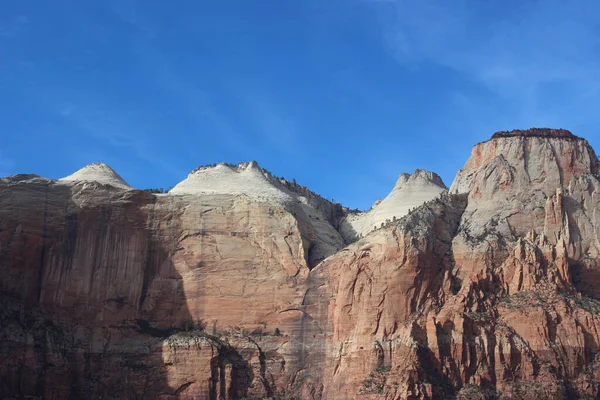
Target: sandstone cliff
pixel 218 290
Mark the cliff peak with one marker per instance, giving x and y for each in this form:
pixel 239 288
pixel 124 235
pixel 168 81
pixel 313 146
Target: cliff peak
pixel 419 177
pixel 233 179
pixel 410 191
pixel 551 159
pixel 97 172
pixel 536 132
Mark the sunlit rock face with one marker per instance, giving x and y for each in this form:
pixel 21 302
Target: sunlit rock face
pixel 239 284
pixel 490 285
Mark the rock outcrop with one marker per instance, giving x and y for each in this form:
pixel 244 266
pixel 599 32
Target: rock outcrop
pixel 536 132
pixel 97 172
pixel 317 218
pixel 221 291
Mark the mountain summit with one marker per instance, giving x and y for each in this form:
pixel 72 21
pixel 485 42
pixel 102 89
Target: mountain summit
pixel 410 191
pixel 97 172
pixel 245 178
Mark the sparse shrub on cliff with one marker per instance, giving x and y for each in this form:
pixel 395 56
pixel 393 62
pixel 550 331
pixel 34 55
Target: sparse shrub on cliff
pixel 277 332
pixel 471 392
pixel 260 331
pixel 207 166
pixel 191 325
pixel 536 299
pixel 158 190
pixel 194 336
pixel 529 389
pixel 375 383
pixel 537 132
pixel 586 303
pixel 527 299
pixel 154 190
pixel 479 316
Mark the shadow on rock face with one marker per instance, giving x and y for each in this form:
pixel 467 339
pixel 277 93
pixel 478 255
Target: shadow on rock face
pixel 92 304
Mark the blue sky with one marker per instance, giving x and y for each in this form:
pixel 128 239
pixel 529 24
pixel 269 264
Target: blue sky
pixel 340 95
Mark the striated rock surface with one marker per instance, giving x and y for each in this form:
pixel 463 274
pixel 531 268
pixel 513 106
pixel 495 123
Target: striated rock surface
pixel 318 218
pixel 488 290
pixel 123 294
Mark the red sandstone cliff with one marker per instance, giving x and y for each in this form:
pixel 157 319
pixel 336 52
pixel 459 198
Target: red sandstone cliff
pixel 486 291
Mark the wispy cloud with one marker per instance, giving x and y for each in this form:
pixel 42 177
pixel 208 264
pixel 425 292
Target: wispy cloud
pixel 117 130
pixel 192 99
pixel 539 41
pixel 274 125
pixel 518 51
pixel 277 129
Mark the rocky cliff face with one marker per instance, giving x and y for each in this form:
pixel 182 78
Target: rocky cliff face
pixel 219 291
pixel 118 293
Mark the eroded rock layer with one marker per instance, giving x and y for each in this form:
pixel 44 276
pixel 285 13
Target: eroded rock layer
pixel 488 290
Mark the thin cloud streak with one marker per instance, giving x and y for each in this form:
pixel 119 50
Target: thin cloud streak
pixel 542 44
pixel 277 129
pixel 110 127
pixel 195 101
pixel 538 46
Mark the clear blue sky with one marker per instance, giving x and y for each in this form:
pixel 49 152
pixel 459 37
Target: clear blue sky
pixel 341 95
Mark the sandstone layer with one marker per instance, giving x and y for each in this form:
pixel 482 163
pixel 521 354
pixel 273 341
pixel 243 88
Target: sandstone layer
pixel 213 291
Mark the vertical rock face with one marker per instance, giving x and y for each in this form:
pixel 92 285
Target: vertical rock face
pixel 538 182
pixel 118 293
pixel 239 284
pixel 139 290
pixel 317 217
pixel 488 291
